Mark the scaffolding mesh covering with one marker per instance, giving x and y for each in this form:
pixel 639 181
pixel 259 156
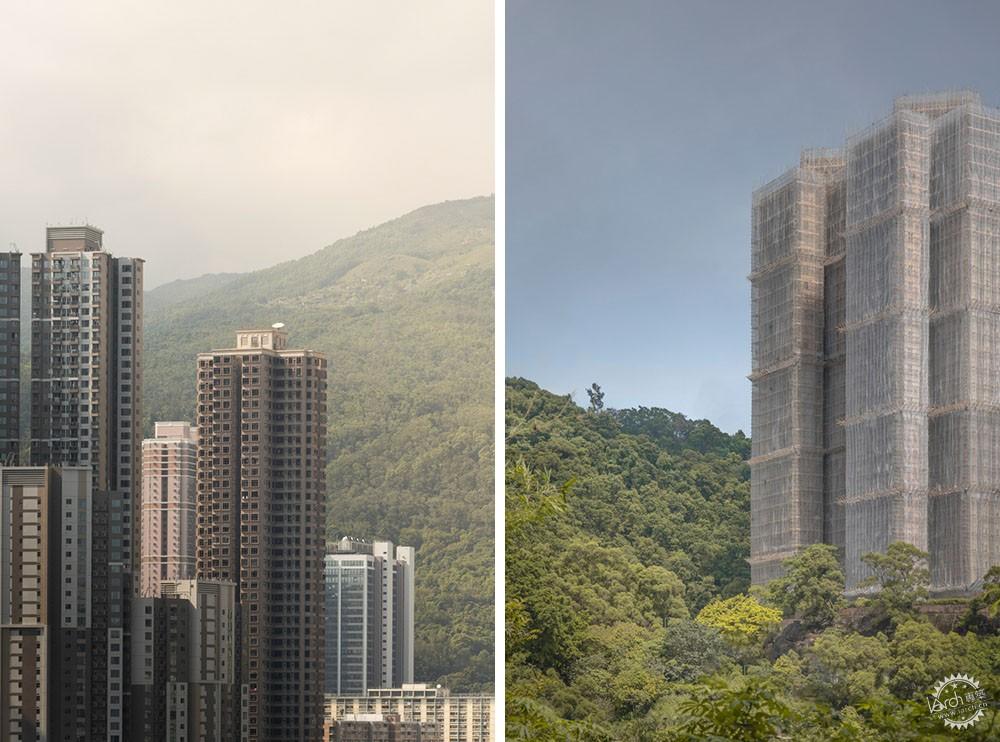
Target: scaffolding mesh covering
pixel 964 358
pixel 876 346
pixel 835 360
pixel 788 261
pixel 887 333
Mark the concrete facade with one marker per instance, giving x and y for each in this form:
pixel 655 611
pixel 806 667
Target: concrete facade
pixel 50 610
pixel 10 358
pixel 86 391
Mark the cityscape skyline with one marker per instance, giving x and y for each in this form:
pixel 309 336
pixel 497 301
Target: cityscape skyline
pixel 180 182
pixel 194 594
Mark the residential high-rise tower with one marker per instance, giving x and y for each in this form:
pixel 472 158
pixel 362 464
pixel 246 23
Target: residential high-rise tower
pixel 49 610
pixel 86 362
pixel 86 379
pixel 876 346
pixel 10 358
pixel 184 684
pixel 261 524
pixel 168 506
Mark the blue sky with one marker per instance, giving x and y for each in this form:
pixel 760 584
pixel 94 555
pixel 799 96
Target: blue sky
pixel 636 132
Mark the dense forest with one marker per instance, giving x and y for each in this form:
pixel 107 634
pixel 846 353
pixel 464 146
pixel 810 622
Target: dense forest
pixel 629 612
pixel 404 312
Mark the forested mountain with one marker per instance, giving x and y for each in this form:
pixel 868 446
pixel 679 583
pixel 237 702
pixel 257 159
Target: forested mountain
pixel 184 290
pixel 404 312
pixel 629 615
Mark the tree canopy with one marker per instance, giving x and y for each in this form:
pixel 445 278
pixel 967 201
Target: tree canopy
pixel 812 586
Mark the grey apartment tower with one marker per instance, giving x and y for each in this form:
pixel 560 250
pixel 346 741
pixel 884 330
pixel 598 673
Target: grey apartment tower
pixel 10 357
pixel 184 663
pixel 85 360
pixel 875 283
pixel 261 522
pixel 369 616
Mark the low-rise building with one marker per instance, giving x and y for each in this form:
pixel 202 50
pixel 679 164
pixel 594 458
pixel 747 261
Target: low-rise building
pixel 379 728
pixel 457 717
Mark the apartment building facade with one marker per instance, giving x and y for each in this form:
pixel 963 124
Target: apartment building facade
pixel 169 501
pixel 456 717
pixel 184 668
pixel 261 521
pixel 52 607
pixel 10 358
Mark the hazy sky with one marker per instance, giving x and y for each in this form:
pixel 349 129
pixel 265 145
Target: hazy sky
pixel 226 136
pixel 636 132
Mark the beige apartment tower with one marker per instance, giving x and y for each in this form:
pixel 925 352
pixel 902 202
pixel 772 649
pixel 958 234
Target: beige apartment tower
pixel 876 346
pixel 168 506
pixel 261 521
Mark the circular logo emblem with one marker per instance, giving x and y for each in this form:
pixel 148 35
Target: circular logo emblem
pixel 958 701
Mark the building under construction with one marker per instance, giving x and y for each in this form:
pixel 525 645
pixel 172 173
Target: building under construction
pixel 875 277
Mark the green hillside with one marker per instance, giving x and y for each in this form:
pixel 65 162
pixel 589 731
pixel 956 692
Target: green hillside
pixel 185 289
pixel 628 616
pixel 404 312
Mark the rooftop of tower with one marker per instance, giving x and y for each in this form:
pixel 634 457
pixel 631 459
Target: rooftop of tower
pixel 936 104
pixel 823 161
pixel 87 238
pixel 272 338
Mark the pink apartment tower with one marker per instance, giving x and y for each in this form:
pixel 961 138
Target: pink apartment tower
pixel 169 503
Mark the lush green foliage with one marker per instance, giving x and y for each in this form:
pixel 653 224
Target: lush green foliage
pixel 901 576
pixel 617 537
pixel 811 588
pixel 673 432
pixel 404 312
pixel 751 711
pixel 185 290
pixel 991 590
pixel 984 609
pixel 691 650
